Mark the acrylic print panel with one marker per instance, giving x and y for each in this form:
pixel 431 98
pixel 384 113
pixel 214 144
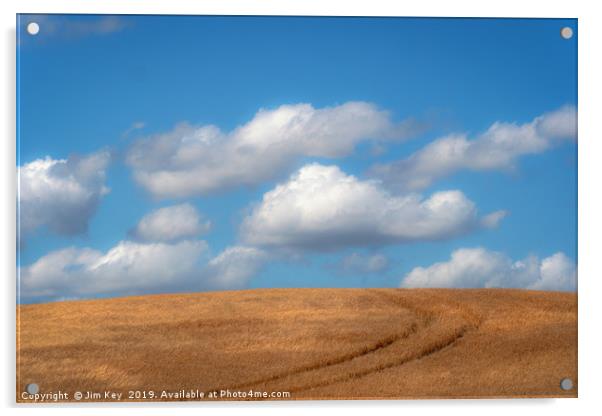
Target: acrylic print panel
pixel 295 208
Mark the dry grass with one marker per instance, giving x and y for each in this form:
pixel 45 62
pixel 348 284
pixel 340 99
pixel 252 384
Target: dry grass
pixel 314 343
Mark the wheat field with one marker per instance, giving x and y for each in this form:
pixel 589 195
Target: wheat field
pixel 308 343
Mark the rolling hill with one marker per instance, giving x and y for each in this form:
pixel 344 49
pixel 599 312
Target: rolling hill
pixel 309 343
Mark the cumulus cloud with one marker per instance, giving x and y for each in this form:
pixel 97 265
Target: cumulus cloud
pixel 556 272
pixel 498 148
pixel 478 268
pixel 357 263
pixel 164 255
pixel 196 160
pixel 125 268
pixel 138 268
pixel 61 194
pixel 493 220
pixel 171 223
pixel 322 208
pixel 234 266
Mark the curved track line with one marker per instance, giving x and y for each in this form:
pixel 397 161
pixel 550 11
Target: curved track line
pixel 432 349
pixel 473 323
pixel 426 319
pixel 383 343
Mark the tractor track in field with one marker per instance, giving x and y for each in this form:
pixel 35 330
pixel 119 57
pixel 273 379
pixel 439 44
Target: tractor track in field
pixel 378 345
pixel 436 347
pixel 425 320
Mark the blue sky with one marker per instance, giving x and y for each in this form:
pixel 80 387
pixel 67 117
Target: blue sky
pixel 102 85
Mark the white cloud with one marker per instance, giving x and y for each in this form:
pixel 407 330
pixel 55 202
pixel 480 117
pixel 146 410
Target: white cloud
pixel 138 268
pixel 496 149
pixel 61 194
pixel 557 272
pixel 356 263
pixel 137 125
pixel 126 268
pixel 493 220
pixel 478 267
pixel 322 208
pixel 171 223
pixel 198 160
pixel 234 266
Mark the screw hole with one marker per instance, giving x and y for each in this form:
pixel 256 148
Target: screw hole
pixel 32 388
pixel 566 384
pixel 566 32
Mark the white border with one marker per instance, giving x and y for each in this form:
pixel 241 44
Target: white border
pixel 590 176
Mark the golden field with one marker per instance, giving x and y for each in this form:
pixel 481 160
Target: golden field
pixel 311 343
